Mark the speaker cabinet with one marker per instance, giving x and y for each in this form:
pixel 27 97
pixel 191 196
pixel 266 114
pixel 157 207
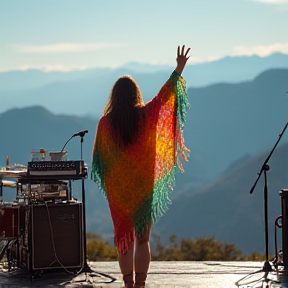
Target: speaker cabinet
pixel 284 206
pixel 56 236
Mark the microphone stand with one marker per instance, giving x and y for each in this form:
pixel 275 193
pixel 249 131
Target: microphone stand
pixel 86 268
pixel 265 167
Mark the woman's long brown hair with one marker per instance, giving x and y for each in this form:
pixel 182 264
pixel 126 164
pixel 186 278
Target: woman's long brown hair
pixel 123 109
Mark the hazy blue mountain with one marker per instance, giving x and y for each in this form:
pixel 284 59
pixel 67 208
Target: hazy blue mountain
pixel 226 209
pixel 33 78
pixel 78 97
pixel 227 121
pixel 227 69
pixel 85 92
pixel 23 130
pixel 233 69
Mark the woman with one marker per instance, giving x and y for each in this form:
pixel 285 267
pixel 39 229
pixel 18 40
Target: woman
pixel 138 148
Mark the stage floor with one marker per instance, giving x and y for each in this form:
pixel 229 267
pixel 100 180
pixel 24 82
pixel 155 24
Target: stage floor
pixel 161 274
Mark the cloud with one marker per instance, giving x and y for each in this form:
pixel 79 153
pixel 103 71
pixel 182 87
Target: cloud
pixel 56 67
pixel 238 51
pixel 65 47
pixel 260 50
pixel 272 1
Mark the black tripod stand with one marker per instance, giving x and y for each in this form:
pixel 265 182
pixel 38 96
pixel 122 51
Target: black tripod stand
pixel 86 268
pixel 267 268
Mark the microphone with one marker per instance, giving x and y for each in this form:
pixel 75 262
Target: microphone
pixel 81 133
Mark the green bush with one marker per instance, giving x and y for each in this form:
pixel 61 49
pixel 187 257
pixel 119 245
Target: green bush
pixel 99 250
pixel 201 249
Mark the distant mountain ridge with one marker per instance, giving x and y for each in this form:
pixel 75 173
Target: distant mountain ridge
pixel 226 209
pixel 76 92
pixel 227 69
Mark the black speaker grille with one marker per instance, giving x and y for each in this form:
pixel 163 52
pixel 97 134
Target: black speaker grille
pixel 57 236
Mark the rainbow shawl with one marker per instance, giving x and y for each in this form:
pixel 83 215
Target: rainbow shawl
pixel 137 181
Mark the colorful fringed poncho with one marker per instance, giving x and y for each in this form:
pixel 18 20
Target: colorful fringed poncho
pixel 137 180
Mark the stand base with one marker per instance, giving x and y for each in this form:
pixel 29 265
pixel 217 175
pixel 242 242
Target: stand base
pixel 92 273
pixel 267 267
pixel 86 268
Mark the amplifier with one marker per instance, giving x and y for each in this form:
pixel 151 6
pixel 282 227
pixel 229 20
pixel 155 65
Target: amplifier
pixel 56 236
pixel 50 168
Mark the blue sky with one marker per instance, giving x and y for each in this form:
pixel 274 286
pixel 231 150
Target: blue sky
pixel 80 34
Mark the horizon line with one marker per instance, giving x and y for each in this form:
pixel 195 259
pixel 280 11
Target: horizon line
pixel 65 69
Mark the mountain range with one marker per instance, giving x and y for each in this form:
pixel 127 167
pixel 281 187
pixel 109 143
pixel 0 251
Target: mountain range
pixel 230 130
pixel 86 92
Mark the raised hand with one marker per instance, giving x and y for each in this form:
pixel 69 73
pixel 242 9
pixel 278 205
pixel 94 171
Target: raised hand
pixel 181 59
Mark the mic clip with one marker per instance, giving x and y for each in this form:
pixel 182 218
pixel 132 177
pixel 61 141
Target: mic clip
pixel 81 133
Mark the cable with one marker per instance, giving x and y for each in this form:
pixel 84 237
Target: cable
pixel 53 243
pixel 66 143
pixel 238 283
pixel 261 279
pixel 57 259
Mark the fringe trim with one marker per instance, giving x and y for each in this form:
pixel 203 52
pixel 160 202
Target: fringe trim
pixel 161 195
pixel 97 173
pixel 183 105
pixel 164 186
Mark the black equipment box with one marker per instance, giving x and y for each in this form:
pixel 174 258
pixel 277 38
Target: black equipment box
pixel 56 236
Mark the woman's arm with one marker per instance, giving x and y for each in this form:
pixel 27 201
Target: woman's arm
pixel 166 91
pixel 181 59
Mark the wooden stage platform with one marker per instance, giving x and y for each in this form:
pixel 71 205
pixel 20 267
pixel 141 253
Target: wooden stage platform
pixel 161 274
